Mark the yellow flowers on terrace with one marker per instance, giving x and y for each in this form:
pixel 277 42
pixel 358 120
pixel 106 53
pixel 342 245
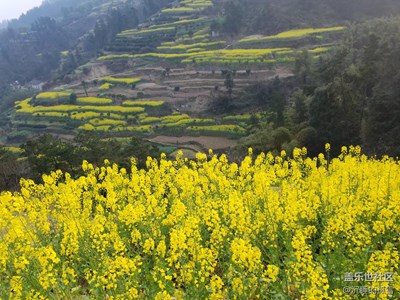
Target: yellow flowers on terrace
pixel 94 100
pixel 220 55
pixel 25 107
pixel 185 47
pixel 116 80
pixel 52 95
pixel 208 228
pixel 292 34
pixel 218 129
pixel 131 32
pixel 178 10
pixel 151 103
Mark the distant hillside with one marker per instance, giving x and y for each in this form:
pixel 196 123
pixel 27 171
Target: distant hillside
pixel 63 34
pixel 272 16
pixel 66 11
pixel 58 36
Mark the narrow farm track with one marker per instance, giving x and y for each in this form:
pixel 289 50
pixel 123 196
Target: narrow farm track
pixel 206 142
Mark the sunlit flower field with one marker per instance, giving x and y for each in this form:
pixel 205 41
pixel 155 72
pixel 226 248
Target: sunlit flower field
pixel 271 227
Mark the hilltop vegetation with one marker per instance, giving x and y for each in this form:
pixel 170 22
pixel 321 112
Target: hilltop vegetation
pixel 84 27
pixel 349 96
pixel 273 16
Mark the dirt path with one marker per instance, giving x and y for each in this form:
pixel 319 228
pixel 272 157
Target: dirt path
pixel 198 143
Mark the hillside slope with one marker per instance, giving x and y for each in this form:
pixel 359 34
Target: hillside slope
pixel 171 76
pixel 182 79
pixel 57 28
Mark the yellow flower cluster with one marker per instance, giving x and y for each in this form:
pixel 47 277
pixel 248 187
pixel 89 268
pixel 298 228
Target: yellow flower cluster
pixel 151 103
pixel 52 95
pixel 94 101
pixel 267 227
pixel 25 107
pixel 115 80
pixel 292 34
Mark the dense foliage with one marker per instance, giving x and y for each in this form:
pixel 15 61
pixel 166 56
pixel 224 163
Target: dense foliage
pixel 47 153
pixel 349 96
pixel 273 16
pixel 357 100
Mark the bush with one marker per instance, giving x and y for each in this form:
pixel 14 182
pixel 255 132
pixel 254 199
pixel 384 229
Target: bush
pixel 308 137
pixel 280 136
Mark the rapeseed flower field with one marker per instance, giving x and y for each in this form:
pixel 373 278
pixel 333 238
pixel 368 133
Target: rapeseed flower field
pixel 52 95
pixel 292 34
pixel 270 227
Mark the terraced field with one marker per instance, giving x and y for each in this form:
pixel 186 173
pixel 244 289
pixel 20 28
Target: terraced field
pixel 159 79
pixel 145 117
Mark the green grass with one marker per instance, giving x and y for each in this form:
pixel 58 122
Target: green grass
pixel 210 56
pixel 219 130
pixel 237 118
pixel 174 118
pixel 132 32
pixel 186 47
pixel 292 34
pixel 179 10
pixel 143 129
pixel 180 22
pixel 103 121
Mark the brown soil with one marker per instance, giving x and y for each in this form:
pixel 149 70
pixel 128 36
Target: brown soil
pixel 198 143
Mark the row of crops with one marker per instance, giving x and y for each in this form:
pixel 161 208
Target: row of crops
pixel 201 50
pixel 184 38
pixel 291 34
pixel 147 116
pixel 189 7
pixel 169 25
pixel 230 56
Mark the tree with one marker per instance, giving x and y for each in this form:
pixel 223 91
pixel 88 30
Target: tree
pixel 300 109
pixel 229 83
pixel 48 153
pixel 72 99
pixel 278 101
pixel 83 82
pixel 100 34
pixel 308 137
pixel 233 17
pixel 302 66
pixel 280 136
